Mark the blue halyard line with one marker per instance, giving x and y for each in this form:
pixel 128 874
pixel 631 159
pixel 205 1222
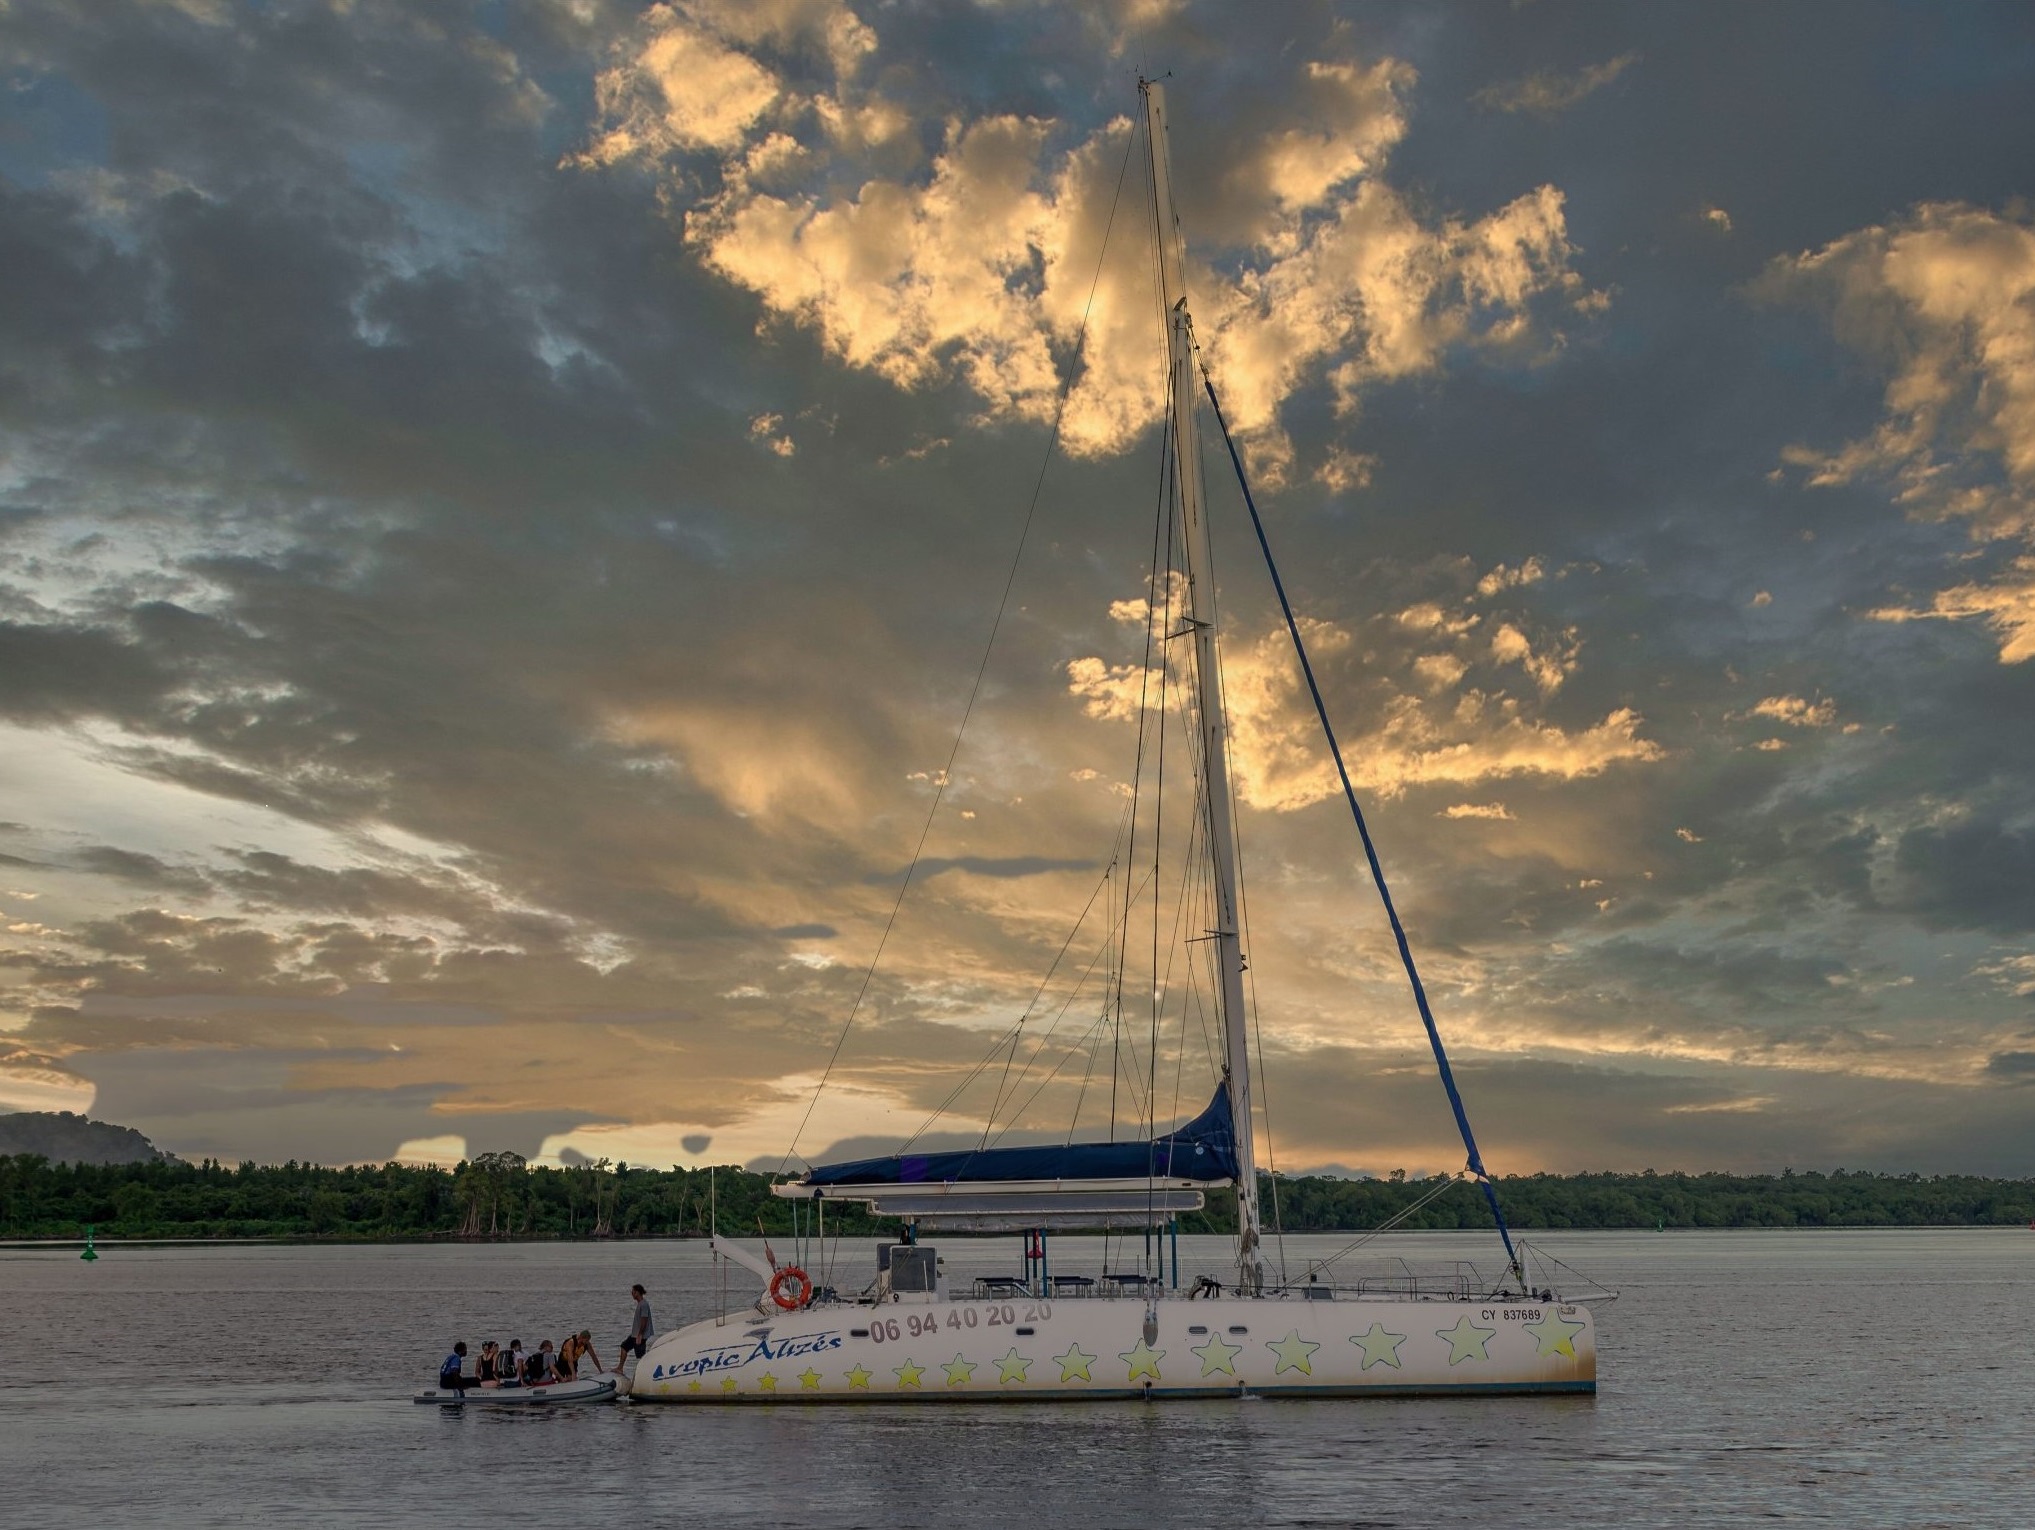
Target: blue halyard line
pixel 1441 1056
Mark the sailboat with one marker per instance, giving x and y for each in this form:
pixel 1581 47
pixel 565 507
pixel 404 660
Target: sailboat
pixel 912 1335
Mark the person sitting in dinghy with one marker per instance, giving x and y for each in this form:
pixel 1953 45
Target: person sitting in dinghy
pixel 541 1369
pixel 487 1369
pixel 577 1346
pixel 510 1366
pixel 451 1372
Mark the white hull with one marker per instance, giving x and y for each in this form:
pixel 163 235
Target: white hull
pixel 971 1348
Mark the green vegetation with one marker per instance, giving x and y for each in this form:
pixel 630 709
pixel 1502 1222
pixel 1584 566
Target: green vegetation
pixel 1666 1200
pixel 494 1196
pixel 498 1196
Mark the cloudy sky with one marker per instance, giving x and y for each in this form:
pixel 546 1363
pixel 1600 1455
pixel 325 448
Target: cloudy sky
pixel 502 505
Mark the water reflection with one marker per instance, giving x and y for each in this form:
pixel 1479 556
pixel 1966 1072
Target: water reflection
pixel 1856 1378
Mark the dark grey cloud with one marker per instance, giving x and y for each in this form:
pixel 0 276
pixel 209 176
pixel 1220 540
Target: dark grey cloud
pixel 234 1106
pixel 372 472
pixel 1580 1117
pixel 2014 1067
pixel 139 868
pixel 1973 875
pixel 56 673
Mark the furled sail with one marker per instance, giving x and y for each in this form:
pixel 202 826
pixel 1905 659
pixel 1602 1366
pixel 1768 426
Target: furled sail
pixel 1203 1152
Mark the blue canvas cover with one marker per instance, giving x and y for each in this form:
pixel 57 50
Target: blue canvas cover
pixel 1204 1149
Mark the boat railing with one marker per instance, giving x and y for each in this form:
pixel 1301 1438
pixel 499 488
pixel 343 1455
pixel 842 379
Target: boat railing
pixel 1069 1287
pixel 1463 1283
pixel 1467 1286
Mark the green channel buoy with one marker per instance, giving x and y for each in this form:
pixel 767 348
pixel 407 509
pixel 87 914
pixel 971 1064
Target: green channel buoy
pixel 90 1252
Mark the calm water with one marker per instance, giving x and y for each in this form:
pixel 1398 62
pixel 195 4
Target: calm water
pixel 1857 1379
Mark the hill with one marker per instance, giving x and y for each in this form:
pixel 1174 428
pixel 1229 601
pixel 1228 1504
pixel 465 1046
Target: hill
pixel 62 1137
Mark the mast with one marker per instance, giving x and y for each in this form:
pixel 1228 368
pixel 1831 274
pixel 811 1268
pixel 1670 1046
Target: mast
pixel 1214 726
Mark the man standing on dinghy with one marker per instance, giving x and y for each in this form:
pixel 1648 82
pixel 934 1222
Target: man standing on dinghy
pixel 640 1331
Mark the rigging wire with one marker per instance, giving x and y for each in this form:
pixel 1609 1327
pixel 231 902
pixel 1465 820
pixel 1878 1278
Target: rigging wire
pixel 1159 521
pixel 1007 1040
pixel 1073 1051
pixel 1190 1000
pixel 1448 1078
pixel 975 690
pixel 1024 1072
pixel 996 1102
pixel 970 1077
pixel 1112 983
pixel 1262 1093
pixel 1448 1182
pixel 1003 1040
pixel 1193 885
pixel 1252 1019
pixel 1176 527
pixel 1159 798
pixel 1087 1074
pixel 1172 507
pixel 1039 1051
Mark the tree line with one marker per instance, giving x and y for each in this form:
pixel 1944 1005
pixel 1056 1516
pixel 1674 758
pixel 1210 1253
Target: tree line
pixel 500 1196
pixel 492 1196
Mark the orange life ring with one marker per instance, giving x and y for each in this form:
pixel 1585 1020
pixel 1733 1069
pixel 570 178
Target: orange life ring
pixel 800 1282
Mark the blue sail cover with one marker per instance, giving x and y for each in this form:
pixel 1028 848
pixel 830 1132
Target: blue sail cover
pixel 1204 1149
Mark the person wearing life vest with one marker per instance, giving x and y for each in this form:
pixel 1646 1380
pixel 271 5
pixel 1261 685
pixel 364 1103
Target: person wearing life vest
pixel 577 1346
pixel 451 1373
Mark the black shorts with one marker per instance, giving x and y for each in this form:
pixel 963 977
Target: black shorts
pixel 632 1346
pixel 451 1383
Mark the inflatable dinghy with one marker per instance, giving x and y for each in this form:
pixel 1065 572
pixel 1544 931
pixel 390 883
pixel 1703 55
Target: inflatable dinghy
pixel 588 1389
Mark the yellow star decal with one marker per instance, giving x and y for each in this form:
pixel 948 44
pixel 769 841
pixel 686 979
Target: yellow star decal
pixel 1144 1360
pixel 959 1372
pixel 1380 1347
pixel 1293 1352
pixel 1012 1366
pixel 908 1374
pixel 1466 1340
pixel 1074 1364
pixel 1217 1357
pixel 809 1379
pixel 695 1386
pixel 729 1384
pixel 1554 1333
pixel 766 1382
pixel 859 1378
